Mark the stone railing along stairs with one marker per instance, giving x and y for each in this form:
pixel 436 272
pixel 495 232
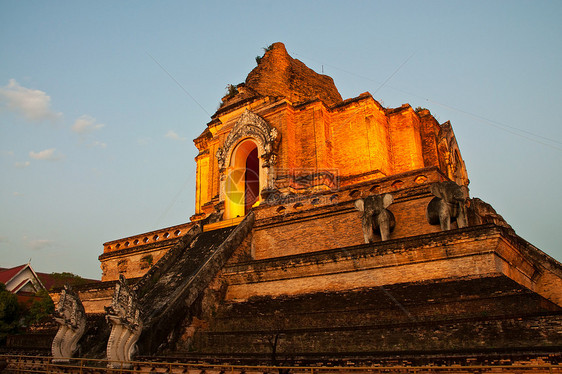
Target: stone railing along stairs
pixel 152 308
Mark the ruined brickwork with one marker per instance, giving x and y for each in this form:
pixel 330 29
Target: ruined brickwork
pixel 307 284
pixel 351 141
pixel 473 291
pixel 94 297
pixel 362 240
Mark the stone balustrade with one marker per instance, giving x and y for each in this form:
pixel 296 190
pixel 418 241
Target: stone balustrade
pixel 147 238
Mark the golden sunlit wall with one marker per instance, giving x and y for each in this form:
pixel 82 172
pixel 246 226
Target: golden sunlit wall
pixel 359 139
pixel 406 141
pixel 364 128
pixel 202 186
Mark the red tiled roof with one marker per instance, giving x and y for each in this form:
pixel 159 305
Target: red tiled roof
pixel 48 280
pixel 7 274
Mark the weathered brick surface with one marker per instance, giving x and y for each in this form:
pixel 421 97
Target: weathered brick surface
pixel 94 296
pixel 334 222
pixel 133 256
pixel 524 334
pixel 132 265
pixel 406 145
pixel 466 290
pixel 315 233
pixel 392 304
pixel 277 74
pixel 357 138
pixel 463 253
pixel 429 131
pixel 488 313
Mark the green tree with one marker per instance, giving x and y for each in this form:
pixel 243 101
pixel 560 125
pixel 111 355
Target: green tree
pixel 10 313
pixel 67 278
pixel 231 90
pixel 41 308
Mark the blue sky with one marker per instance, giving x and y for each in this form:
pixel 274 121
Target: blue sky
pixel 96 138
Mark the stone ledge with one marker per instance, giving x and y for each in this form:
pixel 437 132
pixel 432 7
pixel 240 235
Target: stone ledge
pixel 379 248
pixel 139 240
pixel 474 251
pixel 268 213
pixel 164 244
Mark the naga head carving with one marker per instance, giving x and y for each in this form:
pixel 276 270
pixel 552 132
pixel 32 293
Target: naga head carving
pixel 124 306
pixel 69 309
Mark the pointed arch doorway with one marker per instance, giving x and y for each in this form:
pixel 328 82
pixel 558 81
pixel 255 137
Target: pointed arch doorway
pixel 242 187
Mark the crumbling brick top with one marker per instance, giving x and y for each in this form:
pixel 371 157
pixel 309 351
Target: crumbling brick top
pixel 278 74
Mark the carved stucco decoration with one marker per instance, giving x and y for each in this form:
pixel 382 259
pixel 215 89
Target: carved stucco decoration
pixel 449 148
pixel 124 316
pixel 250 125
pixel 71 317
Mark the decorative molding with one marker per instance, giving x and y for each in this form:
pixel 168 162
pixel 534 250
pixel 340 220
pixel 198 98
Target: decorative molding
pixel 250 125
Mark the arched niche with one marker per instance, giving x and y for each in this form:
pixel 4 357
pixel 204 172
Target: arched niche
pixel 246 163
pixel 242 182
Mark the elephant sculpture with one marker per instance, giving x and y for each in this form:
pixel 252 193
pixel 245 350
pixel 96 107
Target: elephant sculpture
pixel 448 205
pixel 375 216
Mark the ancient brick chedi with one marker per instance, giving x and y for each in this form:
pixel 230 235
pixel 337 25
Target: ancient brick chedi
pixel 328 228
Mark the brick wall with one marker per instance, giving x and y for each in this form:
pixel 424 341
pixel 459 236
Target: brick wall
pixel 358 138
pixel 479 314
pixel 491 335
pixel 330 220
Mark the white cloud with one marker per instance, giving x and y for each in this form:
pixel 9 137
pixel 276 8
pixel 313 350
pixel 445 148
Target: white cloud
pixel 86 124
pixel 22 164
pixel 98 144
pixel 18 194
pixel 33 105
pixel 47 155
pixel 8 153
pixel 171 134
pixel 143 141
pixel 38 244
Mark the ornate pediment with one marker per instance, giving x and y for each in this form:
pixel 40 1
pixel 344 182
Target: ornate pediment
pixel 250 125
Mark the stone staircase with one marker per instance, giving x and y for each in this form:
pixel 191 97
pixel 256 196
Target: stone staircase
pixel 167 293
